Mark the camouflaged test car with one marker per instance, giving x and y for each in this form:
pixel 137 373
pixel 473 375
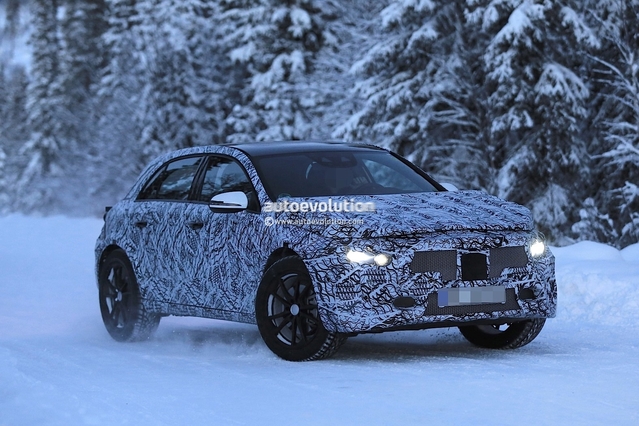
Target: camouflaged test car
pixel 193 237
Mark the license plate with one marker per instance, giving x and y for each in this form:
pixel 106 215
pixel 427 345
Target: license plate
pixel 471 296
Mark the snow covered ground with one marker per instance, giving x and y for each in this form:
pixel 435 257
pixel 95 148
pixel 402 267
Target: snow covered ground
pixel 58 366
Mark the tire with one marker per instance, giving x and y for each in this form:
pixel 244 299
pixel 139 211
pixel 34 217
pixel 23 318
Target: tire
pixel 287 315
pixel 123 313
pixel 515 335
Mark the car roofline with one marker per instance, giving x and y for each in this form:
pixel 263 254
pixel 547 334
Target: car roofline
pixel 257 149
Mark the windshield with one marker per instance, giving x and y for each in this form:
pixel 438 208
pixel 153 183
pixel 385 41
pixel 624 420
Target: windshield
pixel 313 174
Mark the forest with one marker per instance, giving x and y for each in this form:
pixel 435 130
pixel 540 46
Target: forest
pixel 536 101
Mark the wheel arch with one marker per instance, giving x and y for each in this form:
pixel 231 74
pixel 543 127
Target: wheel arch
pixel 106 252
pixel 277 254
pixel 322 301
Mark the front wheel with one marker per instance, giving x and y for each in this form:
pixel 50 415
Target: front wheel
pixel 503 336
pixel 123 314
pixel 287 314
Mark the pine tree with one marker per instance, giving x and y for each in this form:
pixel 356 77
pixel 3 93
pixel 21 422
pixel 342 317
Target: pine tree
pixel 423 89
pixel 186 93
pixel 4 184
pixel 120 95
pixel 274 43
pixel 13 130
pixel 82 28
pixel 44 148
pixel 616 120
pixel 82 59
pixel 12 25
pixel 350 29
pixel 4 198
pixel 537 105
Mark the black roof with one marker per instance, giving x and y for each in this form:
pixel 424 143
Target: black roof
pixel 258 149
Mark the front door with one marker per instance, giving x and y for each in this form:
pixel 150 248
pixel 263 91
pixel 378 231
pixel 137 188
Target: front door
pixel 223 290
pixel 173 230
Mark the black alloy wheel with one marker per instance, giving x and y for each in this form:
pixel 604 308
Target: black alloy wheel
pixel 123 314
pixel 287 314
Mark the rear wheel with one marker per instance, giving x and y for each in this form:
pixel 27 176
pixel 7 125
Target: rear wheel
pixel 123 314
pixel 503 336
pixel 287 314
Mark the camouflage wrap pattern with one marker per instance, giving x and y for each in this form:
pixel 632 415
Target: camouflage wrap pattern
pixel 215 271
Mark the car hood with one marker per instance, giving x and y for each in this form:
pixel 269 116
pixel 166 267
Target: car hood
pixel 410 214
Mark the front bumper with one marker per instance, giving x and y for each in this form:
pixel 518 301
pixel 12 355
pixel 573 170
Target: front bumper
pixel 355 298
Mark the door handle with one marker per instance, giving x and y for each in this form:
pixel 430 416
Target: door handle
pixel 195 225
pixel 141 223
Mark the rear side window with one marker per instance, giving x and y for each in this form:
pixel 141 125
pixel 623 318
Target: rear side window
pixel 172 181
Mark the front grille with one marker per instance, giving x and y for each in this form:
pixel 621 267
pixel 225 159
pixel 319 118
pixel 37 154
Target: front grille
pixel 432 307
pixel 443 261
pixel 474 267
pixel 507 257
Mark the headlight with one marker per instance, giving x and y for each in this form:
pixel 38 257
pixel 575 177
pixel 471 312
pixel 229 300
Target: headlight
pixel 366 257
pixel 359 256
pixel 537 247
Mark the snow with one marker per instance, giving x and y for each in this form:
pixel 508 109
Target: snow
pixel 58 366
pixel 301 22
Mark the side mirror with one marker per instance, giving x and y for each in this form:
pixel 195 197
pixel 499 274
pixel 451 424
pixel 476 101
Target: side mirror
pixel 229 202
pixel 450 187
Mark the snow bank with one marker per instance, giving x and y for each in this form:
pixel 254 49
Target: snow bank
pixel 598 284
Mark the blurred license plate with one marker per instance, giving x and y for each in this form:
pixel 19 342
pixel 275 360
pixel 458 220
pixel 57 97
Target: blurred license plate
pixel 471 296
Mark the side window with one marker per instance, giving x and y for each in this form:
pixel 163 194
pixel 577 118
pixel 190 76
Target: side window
pixel 172 181
pixel 223 175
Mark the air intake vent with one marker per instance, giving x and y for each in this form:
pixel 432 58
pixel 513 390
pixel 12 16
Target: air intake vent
pixel 443 261
pixel 507 257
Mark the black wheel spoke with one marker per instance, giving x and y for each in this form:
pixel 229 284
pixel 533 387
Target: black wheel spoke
pixel 296 289
pixel 305 308
pixel 287 295
pixel 304 329
pixel 294 330
pixel 115 312
pixel 117 278
pixel 276 316
pixel 287 320
pixel 308 317
pixel 281 299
